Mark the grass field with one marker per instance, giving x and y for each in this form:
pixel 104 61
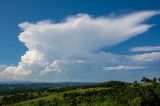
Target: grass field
pixel 113 93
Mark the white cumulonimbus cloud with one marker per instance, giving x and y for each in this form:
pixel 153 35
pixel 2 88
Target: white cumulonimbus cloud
pixel 145 49
pixel 75 40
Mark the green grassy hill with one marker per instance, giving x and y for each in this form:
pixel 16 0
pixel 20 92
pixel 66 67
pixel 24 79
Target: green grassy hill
pixel 113 93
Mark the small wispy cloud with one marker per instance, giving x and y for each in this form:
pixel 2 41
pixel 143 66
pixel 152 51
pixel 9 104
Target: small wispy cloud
pixel 153 56
pixel 123 68
pixel 2 66
pixel 145 49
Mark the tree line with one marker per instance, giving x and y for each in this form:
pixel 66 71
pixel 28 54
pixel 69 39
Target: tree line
pixel 115 93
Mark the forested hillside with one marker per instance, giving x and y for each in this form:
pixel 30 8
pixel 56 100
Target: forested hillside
pixel 112 93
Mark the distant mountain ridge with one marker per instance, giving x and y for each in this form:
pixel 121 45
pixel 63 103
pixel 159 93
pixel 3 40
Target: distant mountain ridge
pixel 28 84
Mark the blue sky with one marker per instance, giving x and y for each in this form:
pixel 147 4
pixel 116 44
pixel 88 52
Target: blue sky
pixel 15 13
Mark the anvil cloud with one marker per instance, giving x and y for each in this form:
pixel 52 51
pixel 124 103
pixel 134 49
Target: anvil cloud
pixel 75 41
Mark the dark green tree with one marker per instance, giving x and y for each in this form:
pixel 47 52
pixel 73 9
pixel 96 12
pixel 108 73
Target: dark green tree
pixel 135 82
pixel 159 79
pixel 154 79
pixel 143 79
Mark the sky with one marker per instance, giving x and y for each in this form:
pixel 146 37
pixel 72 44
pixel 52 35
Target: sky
pixel 79 40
